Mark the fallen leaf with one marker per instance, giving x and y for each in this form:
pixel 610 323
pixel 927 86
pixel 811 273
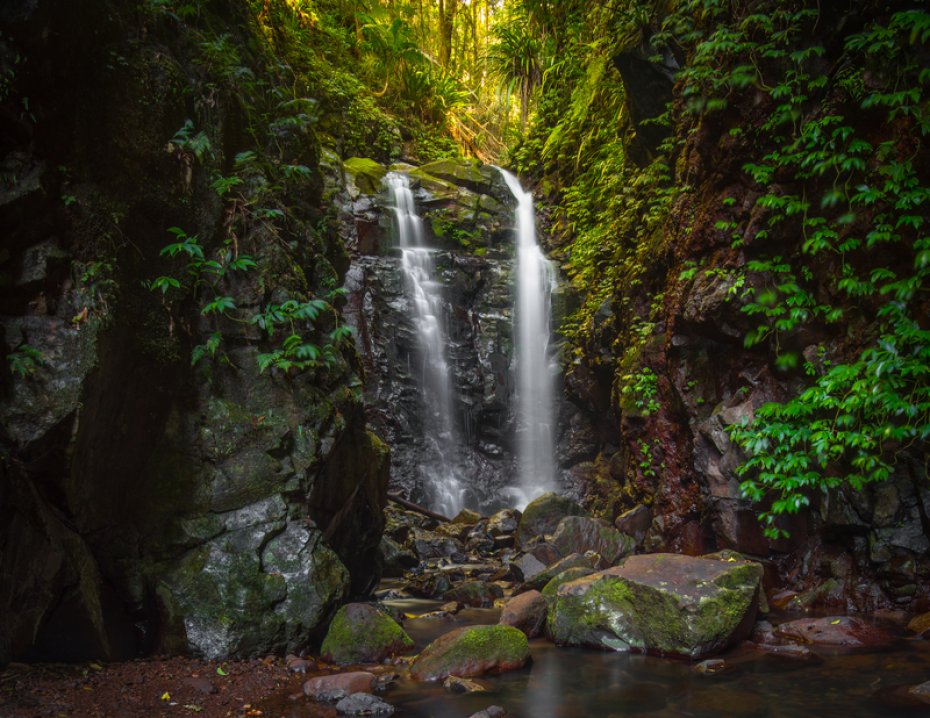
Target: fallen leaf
pixel 220 671
pixel 166 696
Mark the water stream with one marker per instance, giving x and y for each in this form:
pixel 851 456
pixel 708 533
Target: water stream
pixel 425 290
pixel 535 366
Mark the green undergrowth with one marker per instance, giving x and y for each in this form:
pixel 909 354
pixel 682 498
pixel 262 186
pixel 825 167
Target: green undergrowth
pixel 828 260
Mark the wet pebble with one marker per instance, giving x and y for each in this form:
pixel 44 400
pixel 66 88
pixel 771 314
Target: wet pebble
pixel 711 665
pixel 454 684
pixel 490 712
pixel 364 704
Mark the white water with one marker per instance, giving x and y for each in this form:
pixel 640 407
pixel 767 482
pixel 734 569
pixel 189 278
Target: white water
pixel 535 367
pixel 440 433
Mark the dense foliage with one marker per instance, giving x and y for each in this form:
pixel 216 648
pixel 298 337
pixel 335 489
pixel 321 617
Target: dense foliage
pixel 829 261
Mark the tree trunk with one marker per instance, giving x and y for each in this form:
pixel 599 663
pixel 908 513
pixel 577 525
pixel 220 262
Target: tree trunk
pixel 447 10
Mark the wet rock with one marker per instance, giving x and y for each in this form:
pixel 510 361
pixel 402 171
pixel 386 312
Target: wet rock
pixel 353 682
pixel 526 567
pixel 574 560
pixel 363 633
pixel 472 651
pixel 490 712
pixel 578 534
pixel 503 522
pixel 833 631
pixel 478 594
pixel 364 174
pixel 526 612
pixel 429 544
pixel 763 632
pixel 364 704
pixel 395 559
pixel 430 585
pixel 711 665
pixel 551 589
pixel 635 523
pixel 788 651
pixel 659 603
pixel 454 684
pixel 467 517
pixel 544 551
pixel 543 514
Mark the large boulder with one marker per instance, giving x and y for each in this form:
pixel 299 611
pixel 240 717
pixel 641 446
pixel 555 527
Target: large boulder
pixel 363 633
pixel 543 514
pixel 578 534
pixel 659 603
pixel 472 651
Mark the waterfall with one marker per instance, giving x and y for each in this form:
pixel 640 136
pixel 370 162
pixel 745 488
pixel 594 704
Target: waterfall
pixel 440 433
pixel 535 369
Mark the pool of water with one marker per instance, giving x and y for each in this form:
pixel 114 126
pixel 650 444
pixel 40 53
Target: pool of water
pixel 580 683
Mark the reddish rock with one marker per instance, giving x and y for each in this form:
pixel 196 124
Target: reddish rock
pixel 833 631
pixel 472 651
pixel 526 612
pixel 354 682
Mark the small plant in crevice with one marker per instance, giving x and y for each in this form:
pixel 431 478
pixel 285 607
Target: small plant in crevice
pixel 24 361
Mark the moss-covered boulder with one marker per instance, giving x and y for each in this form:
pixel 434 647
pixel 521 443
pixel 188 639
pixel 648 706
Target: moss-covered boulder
pixel 365 174
pixel 659 603
pixel 579 534
pixel 363 633
pixel 543 514
pixel 472 651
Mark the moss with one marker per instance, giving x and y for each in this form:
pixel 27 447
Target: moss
pixel 551 588
pixel 361 633
pixel 472 651
pixel 367 174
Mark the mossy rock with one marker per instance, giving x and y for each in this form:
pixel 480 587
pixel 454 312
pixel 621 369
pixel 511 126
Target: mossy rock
pixel 462 172
pixel 363 633
pixel 543 514
pixel 366 174
pixel 659 603
pixel 579 534
pixel 571 574
pixel 573 560
pixel 472 651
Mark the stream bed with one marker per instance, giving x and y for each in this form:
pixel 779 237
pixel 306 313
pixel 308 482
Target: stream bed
pixel 577 683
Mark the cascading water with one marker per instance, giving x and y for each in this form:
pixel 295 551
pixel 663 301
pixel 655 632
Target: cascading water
pixel 535 367
pixel 439 429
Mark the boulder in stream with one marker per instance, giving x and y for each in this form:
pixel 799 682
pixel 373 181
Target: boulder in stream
pixel 363 633
pixel 543 514
pixel 659 603
pixel 472 651
pixel 325 687
pixel 578 534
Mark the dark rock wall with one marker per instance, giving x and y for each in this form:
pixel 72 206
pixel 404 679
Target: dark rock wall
pixel 145 504
pixel 855 550
pixel 468 213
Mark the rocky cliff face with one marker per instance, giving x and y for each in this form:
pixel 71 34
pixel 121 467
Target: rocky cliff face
pixel 468 214
pixel 663 363
pixel 146 504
